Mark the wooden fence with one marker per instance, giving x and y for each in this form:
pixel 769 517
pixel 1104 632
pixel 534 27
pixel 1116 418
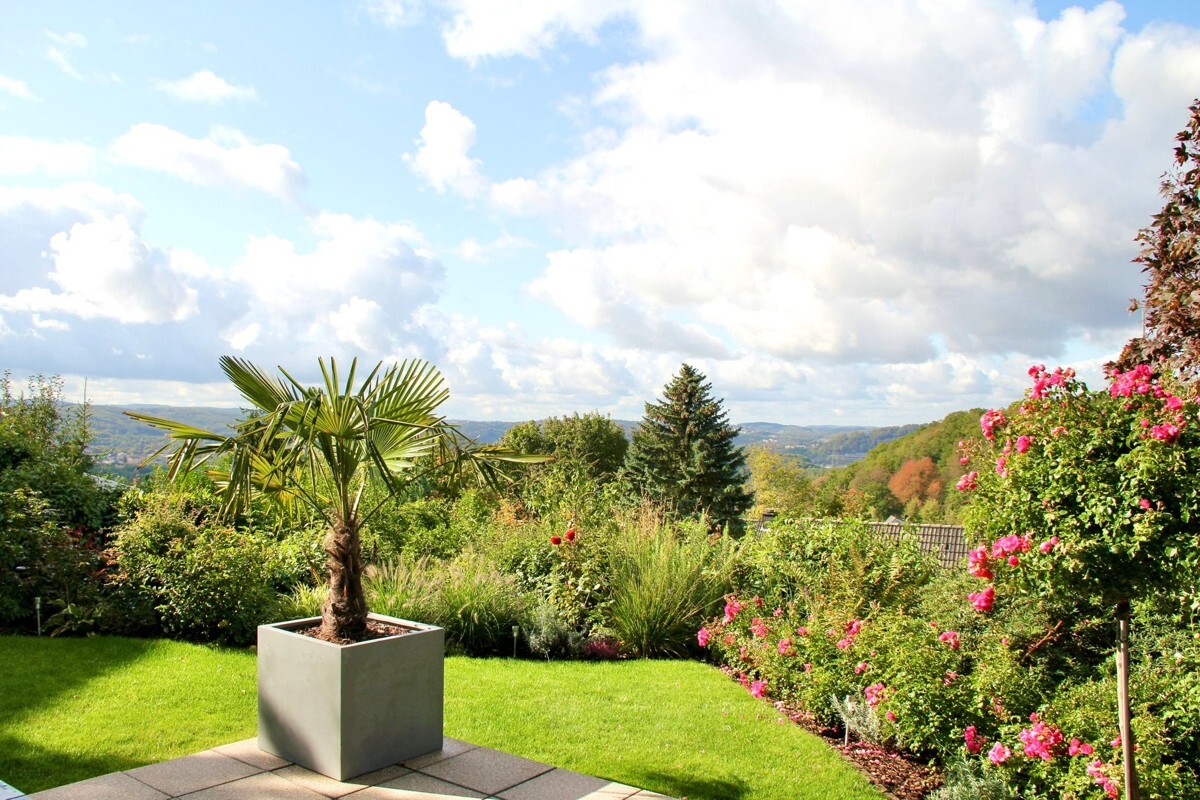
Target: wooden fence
pixel 947 542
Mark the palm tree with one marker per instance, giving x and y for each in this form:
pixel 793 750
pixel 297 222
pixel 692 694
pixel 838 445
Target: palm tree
pixel 319 446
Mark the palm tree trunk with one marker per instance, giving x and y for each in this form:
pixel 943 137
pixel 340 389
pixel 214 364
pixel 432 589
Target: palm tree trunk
pixel 344 613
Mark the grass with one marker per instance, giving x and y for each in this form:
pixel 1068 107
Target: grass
pixel 75 708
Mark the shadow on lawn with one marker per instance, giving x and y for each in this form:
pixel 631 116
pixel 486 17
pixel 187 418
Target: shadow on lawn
pixel 39 670
pixel 38 673
pixel 23 765
pixel 696 788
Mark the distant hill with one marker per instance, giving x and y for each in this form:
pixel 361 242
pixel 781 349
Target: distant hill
pixel 121 443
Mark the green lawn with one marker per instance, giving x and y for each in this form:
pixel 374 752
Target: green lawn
pixel 74 708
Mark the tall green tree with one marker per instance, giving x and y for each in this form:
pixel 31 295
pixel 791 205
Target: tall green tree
pixel 683 454
pixel 318 447
pixel 592 442
pixel 1170 259
pixel 588 452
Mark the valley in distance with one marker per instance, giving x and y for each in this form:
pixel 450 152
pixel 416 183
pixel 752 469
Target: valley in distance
pixel 120 444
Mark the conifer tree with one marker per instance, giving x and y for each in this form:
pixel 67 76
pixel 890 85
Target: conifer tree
pixel 683 454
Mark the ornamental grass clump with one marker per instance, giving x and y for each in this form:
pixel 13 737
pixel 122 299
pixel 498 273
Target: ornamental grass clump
pixel 664 580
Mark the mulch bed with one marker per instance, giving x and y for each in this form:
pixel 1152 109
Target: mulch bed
pixel 898 775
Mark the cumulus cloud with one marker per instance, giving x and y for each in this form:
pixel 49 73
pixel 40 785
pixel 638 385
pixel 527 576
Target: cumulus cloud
pixel 205 87
pixel 225 159
pixel 442 151
pixel 21 155
pixel 104 269
pixel 355 290
pixel 811 183
pixel 15 88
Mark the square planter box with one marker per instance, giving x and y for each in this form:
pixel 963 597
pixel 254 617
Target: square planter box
pixel 344 710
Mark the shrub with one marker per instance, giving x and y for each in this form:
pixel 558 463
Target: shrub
pixel 843 567
pixel 475 604
pixel 405 588
pixel 971 780
pixel 39 557
pixel 204 581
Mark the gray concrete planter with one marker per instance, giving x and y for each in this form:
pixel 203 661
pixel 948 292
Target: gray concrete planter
pixel 349 709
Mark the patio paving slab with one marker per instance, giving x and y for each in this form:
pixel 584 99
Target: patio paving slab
pixel 240 770
pixel 450 748
pixel 192 773
pixel 247 750
pixel 263 786
pixel 557 784
pixel 486 770
pixel 417 786
pixel 328 787
pixel 117 786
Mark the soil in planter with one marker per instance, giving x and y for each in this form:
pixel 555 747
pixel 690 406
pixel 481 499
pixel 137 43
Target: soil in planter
pixel 375 630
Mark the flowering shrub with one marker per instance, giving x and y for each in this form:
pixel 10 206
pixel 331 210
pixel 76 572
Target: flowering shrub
pixel 1099 495
pixel 1093 499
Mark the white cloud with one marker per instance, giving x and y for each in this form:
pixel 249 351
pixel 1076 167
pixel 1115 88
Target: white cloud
pixel 394 13
pixel 356 290
pixel 104 269
pixel 62 44
pixel 481 28
pixel 922 184
pixel 20 155
pixel 205 87
pixel 482 252
pixel 15 87
pixel 227 158
pixel 442 151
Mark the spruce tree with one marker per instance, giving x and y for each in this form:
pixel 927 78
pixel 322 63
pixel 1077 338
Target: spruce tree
pixel 683 454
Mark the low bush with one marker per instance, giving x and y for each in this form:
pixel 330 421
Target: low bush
pixel 204 580
pixel 480 608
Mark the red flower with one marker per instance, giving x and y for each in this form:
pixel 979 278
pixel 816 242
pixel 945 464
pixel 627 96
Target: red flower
pixel 556 540
pixel 570 534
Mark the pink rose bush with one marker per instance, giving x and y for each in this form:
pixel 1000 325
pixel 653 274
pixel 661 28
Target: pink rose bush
pixel 951 676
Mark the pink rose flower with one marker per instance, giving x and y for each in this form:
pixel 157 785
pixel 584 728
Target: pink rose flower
pixel 999 754
pixel 984 600
pixel 950 638
pixel 702 636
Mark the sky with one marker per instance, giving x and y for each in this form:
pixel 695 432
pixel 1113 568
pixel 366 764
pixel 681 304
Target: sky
pixel 866 213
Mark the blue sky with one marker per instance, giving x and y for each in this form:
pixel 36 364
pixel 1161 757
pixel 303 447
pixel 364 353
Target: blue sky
pixel 869 213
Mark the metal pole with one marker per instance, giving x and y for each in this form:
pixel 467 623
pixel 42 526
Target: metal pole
pixel 516 630
pixel 37 604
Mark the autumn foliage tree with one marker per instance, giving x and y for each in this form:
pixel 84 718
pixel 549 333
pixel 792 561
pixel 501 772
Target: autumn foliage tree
pixel 915 479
